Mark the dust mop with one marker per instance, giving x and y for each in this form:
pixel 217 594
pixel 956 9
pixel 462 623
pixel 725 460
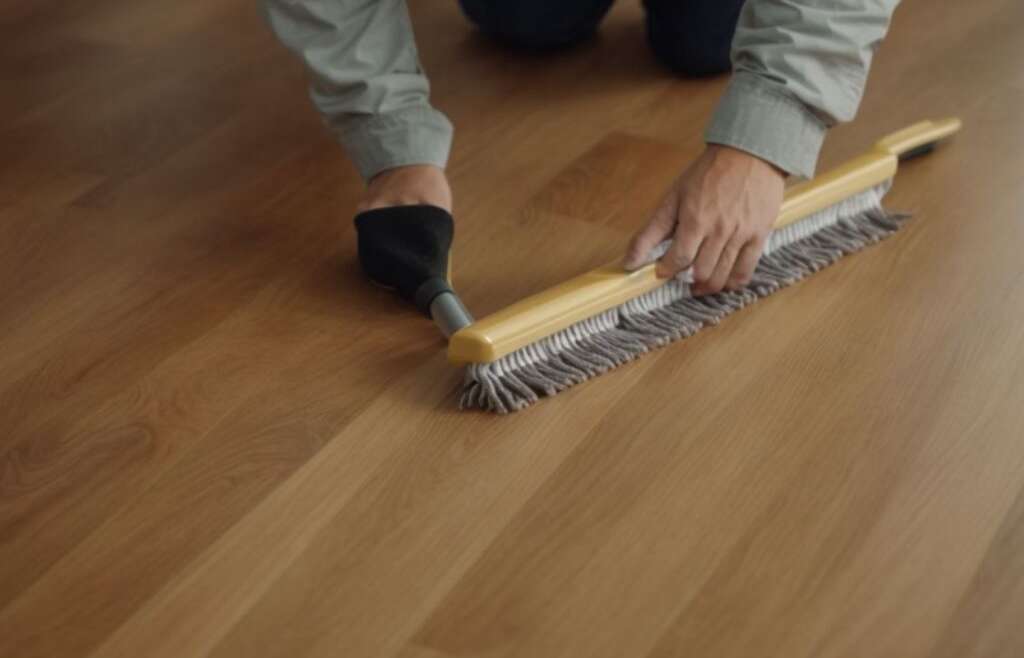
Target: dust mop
pixel 604 318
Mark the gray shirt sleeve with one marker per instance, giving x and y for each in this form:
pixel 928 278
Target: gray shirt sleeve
pixel 800 66
pixel 366 79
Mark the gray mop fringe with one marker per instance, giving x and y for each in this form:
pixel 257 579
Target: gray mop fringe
pixel 666 314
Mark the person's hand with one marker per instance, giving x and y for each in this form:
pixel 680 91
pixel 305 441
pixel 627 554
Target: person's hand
pixel 718 214
pixel 407 186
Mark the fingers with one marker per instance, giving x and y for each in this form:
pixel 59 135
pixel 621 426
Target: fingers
pixel 681 252
pixel 657 230
pixel 746 263
pixel 735 266
pixel 711 253
pixel 716 281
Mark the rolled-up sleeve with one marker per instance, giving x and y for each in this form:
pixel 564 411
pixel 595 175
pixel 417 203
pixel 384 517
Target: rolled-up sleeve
pixel 799 67
pixel 366 79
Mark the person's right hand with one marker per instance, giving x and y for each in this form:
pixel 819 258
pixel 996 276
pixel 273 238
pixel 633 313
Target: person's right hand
pixel 408 186
pixel 718 215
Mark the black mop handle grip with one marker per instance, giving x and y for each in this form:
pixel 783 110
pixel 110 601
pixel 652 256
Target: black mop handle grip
pixel 407 248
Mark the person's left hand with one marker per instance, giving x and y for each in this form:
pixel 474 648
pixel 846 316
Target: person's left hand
pixel 718 214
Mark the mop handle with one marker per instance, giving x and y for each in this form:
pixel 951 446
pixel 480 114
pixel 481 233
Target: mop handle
pixel 864 171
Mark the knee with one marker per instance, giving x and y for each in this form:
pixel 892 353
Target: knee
pixel 692 38
pixel 536 24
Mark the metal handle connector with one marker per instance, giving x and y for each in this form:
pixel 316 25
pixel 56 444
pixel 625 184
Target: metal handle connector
pixel 449 314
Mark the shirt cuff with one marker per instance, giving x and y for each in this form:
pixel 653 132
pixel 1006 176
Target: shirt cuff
pixel 412 135
pixel 761 118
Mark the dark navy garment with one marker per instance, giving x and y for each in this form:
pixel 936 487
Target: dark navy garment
pixel 691 37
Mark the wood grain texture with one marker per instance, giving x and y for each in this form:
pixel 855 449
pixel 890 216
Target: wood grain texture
pixel 217 440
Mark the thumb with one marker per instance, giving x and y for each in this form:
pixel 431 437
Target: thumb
pixel 658 229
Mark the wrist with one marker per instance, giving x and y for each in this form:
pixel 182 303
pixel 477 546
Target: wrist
pixel 408 185
pixel 737 157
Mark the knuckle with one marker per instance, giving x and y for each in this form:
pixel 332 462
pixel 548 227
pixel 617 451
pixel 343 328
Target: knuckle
pixel 746 234
pixel 680 253
pixel 721 229
pixel 702 222
pixel 676 259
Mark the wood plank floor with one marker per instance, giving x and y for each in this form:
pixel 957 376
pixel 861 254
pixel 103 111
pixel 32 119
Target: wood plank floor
pixel 217 440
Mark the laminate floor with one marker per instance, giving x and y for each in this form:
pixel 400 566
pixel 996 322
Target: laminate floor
pixel 217 440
